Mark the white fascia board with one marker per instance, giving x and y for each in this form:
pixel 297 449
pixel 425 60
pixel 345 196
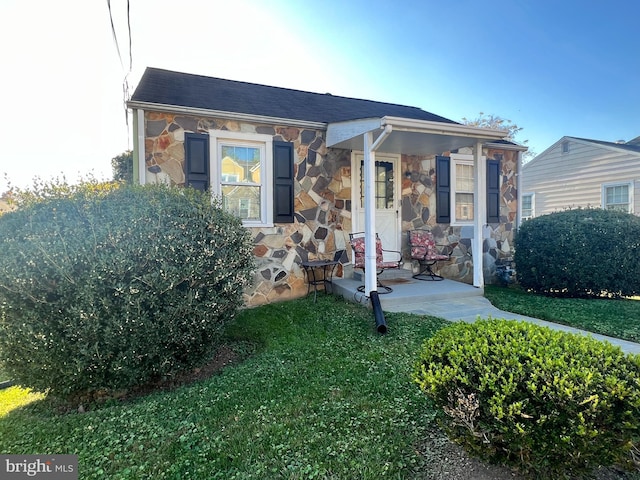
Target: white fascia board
pixel 426 126
pixel 502 146
pixel 243 117
pixel 341 131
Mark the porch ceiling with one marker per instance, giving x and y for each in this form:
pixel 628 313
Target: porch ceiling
pixel 410 137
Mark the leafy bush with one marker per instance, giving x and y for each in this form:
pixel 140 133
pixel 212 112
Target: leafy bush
pixel 580 253
pixel 103 288
pixel 549 403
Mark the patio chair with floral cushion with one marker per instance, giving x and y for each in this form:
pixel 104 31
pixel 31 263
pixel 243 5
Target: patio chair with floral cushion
pixel 357 244
pixel 425 251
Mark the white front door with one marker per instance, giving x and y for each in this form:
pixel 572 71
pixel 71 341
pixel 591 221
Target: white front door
pixel 387 193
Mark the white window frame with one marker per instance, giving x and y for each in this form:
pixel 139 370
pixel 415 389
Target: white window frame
pixel 461 159
pixel 265 144
pixel 629 186
pixel 533 206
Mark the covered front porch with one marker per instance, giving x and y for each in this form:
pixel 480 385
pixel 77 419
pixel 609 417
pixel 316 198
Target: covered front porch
pixel 409 138
pixel 409 294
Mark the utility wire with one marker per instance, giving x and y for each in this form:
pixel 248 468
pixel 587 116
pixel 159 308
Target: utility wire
pixel 125 82
pixel 113 31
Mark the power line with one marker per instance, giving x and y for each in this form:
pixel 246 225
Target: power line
pixel 125 82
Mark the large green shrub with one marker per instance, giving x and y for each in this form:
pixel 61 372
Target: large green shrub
pixel 550 403
pixel 103 288
pixel 580 253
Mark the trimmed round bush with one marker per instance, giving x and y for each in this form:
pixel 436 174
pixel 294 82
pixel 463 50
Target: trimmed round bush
pixel 550 403
pixel 580 253
pixel 103 288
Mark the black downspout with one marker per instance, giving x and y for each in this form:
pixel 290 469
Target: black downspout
pixel 381 324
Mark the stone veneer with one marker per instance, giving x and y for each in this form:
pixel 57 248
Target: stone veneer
pixel 323 203
pixel 418 211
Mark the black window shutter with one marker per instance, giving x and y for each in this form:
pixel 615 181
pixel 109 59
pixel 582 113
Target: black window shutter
pixel 493 191
pixel 443 190
pixel 283 182
pixel 196 160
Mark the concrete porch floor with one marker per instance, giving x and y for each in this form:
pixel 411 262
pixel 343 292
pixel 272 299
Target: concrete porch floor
pixel 453 301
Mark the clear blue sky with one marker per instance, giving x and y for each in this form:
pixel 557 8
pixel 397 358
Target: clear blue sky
pixel 554 68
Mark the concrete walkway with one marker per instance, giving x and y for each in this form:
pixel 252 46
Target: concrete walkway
pixel 468 309
pixel 453 301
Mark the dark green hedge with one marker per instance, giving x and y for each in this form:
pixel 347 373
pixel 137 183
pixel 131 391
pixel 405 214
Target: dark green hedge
pixel 550 403
pixel 104 288
pixel 580 253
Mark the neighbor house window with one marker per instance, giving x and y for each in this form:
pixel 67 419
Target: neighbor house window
pixel 527 206
pixel 462 179
pixel 240 167
pixel 565 146
pixel 618 197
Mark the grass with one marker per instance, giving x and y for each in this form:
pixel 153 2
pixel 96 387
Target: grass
pixel 615 318
pixel 324 396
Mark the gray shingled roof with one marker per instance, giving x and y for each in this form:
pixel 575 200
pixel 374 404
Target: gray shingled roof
pixel 186 90
pixel 624 146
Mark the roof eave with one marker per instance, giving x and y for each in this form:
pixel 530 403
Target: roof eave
pixel 506 146
pixel 205 112
pixel 442 128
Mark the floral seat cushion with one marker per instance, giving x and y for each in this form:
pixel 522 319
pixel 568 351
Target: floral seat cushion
pixel 423 246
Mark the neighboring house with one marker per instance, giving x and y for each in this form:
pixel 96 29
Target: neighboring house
pixel 580 173
pixel 303 170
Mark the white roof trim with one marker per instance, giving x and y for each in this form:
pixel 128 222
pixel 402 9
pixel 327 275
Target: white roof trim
pixel 425 126
pixel 243 117
pixel 340 131
pixel 504 146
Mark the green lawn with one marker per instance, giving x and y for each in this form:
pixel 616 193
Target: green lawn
pixel 319 395
pixel 322 396
pixel 615 318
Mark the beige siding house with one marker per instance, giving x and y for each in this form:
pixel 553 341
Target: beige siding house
pixel 581 173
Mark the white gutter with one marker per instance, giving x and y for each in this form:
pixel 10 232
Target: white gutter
pixel 370 270
pixel 138 116
pixel 506 146
pixel 246 117
pixel 426 126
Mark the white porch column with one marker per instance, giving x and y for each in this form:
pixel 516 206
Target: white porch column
pixel 370 277
pixel 480 214
pixel 519 190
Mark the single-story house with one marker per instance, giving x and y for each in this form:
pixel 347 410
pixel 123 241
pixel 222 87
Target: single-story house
pixel 303 170
pixel 580 173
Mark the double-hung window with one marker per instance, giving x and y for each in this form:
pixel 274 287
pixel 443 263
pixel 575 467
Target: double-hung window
pixel 462 176
pixel 618 196
pixel 527 206
pixel 456 189
pixel 241 164
pixel 252 174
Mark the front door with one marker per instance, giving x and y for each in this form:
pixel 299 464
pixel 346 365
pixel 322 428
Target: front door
pixel 386 199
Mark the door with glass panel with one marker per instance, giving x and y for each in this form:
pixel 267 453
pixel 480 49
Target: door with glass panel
pixel 387 203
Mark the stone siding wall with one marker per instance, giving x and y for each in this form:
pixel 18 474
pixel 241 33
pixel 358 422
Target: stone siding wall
pixel 322 198
pixel 418 211
pixel 323 204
